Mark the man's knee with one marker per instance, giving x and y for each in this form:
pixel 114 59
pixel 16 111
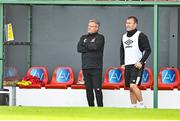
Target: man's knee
pixel 133 87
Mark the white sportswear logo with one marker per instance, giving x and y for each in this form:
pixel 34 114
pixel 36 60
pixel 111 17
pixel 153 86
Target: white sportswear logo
pixel 93 40
pixel 128 42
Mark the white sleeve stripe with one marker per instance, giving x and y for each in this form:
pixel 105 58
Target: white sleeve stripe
pixel 137 80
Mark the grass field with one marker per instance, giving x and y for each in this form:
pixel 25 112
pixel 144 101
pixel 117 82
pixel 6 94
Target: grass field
pixel 85 113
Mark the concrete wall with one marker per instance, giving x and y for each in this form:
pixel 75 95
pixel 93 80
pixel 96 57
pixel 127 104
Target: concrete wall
pixel 77 98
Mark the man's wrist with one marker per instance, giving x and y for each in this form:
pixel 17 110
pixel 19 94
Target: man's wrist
pixel 141 62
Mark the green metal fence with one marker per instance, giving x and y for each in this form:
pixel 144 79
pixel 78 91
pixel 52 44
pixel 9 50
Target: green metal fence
pixel 86 3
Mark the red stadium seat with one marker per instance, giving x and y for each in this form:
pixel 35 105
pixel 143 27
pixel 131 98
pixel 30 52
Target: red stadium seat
pixel 178 87
pixel 179 83
pixel 40 72
pixel 168 78
pixel 62 78
pixel 114 78
pixel 147 79
pixel 80 82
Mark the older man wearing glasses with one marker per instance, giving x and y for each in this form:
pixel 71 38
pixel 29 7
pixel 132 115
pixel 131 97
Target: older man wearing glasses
pixel 91 47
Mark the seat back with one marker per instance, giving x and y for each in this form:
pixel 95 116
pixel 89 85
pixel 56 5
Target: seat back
pixel 147 78
pixel 168 77
pixel 63 75
pixel 39 71
pixel 80 78
pixel 114 75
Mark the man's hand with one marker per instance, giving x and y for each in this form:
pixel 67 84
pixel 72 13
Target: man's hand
pixel 138 65
pixel 85 40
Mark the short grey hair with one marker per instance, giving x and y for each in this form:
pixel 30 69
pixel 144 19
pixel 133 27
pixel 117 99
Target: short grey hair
pixel 95 21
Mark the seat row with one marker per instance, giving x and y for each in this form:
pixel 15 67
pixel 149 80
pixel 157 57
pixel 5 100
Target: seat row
pixel 63 77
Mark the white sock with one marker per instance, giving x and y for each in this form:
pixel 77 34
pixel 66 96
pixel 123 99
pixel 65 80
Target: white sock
pixel 141 103
pixel 133 105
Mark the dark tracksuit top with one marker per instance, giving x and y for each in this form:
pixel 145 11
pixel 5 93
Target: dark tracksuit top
pixel 143 43
pixel 91 46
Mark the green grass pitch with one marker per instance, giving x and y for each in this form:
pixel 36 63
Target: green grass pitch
pixel 86 113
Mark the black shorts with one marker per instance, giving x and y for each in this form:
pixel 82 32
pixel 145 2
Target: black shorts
pixel 133 75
